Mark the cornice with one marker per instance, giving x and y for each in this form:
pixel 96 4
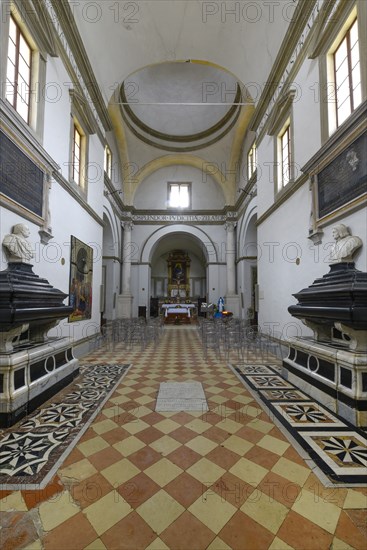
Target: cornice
pixel 76 196
pixel 67 23
pixel 286 51
pixel 282 197
pixel 333 11
pixel 245 258
pixel 37 20
pixel 113 196
pixel 280 110
pixel 247 194
pixel 20 132
pixel 352 128
pixel 84 113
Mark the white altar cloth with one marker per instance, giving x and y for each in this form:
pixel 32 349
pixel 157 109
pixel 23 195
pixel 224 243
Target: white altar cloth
pixel 177 308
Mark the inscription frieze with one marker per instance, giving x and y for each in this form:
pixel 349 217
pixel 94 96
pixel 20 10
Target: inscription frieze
pixel 198 218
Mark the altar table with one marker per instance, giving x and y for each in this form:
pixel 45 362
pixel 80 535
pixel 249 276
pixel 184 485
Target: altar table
pixel 177 308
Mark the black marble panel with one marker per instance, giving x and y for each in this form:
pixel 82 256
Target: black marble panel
pixel 302 358
pixel 292 354
pixel 37 370
pixel 346 377
pixel 60 359
pixel 19 380
pixel 20 178
pixel 344 179
pixel 326 369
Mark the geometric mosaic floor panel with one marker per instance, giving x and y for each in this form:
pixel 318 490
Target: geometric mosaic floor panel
pixel 31 451
pixel 337 447
pixel 224 479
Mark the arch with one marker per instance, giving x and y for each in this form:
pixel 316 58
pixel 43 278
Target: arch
pixel 132 177
pixel 208 168
pixel 246 219
pixel 208 246
pixel 111 220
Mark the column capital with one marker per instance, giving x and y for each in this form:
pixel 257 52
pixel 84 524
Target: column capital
pixel 128 225
pixel 230 226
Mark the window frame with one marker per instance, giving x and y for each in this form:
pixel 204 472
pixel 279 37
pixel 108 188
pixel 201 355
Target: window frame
pixel 285 131
pixel 350 98
pixel 15 83
pixel 29 32
pixel 324 50
pixel 170 184
pixel 252 161
pixel 281 118
pixel 77 160
pixel 108 162
pixel 82 183
pixel 79 118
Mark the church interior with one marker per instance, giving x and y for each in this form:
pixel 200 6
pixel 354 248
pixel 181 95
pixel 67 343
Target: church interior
pixel 183 279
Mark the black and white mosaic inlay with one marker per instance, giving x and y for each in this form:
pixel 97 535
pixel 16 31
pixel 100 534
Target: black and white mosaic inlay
pixel 284 395
pixel 269 381
pixel 31 451
pixel 255 369
pixel 337 447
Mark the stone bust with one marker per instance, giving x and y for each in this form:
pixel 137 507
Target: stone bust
pixel 345 244
pixel 16 244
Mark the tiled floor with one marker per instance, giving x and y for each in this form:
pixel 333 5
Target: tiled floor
pixel 223 479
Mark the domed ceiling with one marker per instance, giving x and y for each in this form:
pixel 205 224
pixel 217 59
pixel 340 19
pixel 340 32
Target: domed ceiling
pixel 180 106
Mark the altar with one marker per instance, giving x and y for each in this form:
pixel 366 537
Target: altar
pixel 178 312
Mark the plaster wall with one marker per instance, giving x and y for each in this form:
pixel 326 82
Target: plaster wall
pixel 153 192
pixel 56 136
pixel 282 238
pixel 80 224
pixel 47 261
pixel 306 114
pixel 265 174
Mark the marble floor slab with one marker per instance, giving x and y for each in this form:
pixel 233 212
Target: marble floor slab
pixel 181 396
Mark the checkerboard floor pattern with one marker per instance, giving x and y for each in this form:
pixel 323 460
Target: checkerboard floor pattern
pixel 221 479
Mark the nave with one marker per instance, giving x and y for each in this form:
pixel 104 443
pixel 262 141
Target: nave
pixel 223 479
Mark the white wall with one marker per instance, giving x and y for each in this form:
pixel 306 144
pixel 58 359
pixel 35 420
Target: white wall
pixel 152 193
pixel 282 238
pixel 56 136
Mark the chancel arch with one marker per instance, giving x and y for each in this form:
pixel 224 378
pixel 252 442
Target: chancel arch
pixel 207 245
pixel 247 254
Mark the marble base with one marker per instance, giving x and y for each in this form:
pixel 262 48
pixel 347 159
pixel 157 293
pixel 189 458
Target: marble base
pixel 124 306
pixel 30 376
pixel 336 377
pixel 233 304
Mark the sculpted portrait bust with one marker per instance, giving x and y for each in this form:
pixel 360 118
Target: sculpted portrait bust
pixel 345 244
pixel 18 247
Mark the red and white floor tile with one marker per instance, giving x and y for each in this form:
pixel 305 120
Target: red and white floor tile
pixel 223 479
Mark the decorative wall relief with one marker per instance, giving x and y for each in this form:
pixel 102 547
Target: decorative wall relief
pixel 81 276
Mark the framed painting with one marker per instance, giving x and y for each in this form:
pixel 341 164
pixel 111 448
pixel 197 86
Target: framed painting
pixel 81 278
